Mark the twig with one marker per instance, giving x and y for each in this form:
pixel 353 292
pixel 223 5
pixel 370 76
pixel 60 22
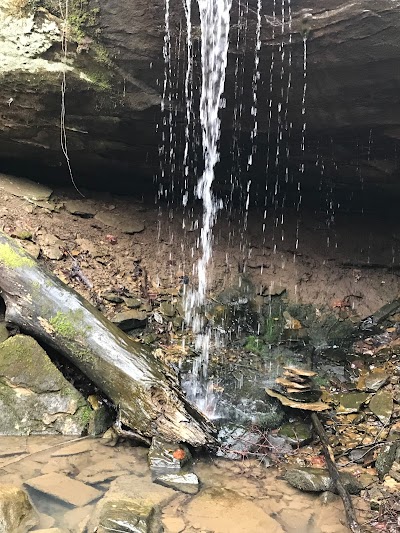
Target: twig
pixel 334 474
pixel 76 271
pixel 60 444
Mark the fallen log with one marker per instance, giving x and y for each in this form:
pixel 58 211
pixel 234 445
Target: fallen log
pixel 147 394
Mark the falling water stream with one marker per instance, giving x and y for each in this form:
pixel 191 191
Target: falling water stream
pixel 204 110
pixel 215 24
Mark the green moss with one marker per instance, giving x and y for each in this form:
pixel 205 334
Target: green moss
pixel 99 77
pixel 253 344
pixel 273 328
pixel 24 235
pixel 67 325
pixel 83 20
pixel 102 55
pixel 85 414
pixel 14 259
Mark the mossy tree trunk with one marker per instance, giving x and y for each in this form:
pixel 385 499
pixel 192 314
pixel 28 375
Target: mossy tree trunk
pixel 146 393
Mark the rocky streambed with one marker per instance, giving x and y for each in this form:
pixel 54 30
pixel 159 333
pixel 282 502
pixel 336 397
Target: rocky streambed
pixel 320 309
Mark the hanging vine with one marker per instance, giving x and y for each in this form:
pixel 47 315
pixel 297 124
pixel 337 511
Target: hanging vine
pixel 64 10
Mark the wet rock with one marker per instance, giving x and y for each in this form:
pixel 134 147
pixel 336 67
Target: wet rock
pixel 279 445
pixel 243 400
pixel 236 441
pixel 382 406
pixel 173 524
pixel 124 516
pixel 35 398
pixel 4 333
pixel 101 472
pixel 133 303
pixel 275 289
pixel 112 297
pixel 167 309
pixel 350 402
pixel 375 497
pixel 184 482
pixel 77 448
pixel 100 421
pixel 50 530
pixel 80 208
pixel 166 456
pixel 318 480
pixel 386 458
pixel 132 319
pixel 178 322
pixel 376 379
pixel 16 512
pixel 296 433
pixel 24 188
pixel 131 505
pixel 221 510
pixel 124 225
pixel 358 455
pixel 65 489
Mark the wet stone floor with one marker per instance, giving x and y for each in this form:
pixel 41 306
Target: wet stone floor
pixel 234 496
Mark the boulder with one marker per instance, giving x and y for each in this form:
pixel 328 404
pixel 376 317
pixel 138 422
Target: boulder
pixel 35 398
pixel 132 504
pixel 127 320
pixel 318 480
pixel 16 512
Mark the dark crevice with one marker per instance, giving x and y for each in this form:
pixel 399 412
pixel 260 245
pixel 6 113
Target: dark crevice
pixel 2 309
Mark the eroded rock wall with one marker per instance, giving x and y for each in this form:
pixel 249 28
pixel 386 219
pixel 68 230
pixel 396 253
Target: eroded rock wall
pixel 115 70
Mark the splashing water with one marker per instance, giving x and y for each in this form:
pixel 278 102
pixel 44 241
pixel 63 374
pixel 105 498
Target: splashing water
pixel 303 133
pixel 215 23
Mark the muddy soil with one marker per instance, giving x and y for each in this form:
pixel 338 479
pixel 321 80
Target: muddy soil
pixel 357 258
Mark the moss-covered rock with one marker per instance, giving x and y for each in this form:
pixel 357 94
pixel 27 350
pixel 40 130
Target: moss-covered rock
pixel 318 480
pixel 35 398
pixel 16 511
pixel 3 332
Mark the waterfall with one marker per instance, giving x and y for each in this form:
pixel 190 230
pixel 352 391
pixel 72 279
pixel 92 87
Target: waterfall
pixel 215 20
pixel 215 24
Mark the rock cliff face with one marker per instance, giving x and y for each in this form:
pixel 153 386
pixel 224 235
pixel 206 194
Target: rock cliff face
pixel 114 70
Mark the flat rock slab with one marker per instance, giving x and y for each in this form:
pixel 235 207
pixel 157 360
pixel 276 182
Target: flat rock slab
pixel 131 319
pixel 51 530
pixel 24 188
pixel 81 208
pixel 131 505
pixel 226 511
pixel 382 406
pixel 119 222
pixel 74 449
pixel 184 482
pixel 65 489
